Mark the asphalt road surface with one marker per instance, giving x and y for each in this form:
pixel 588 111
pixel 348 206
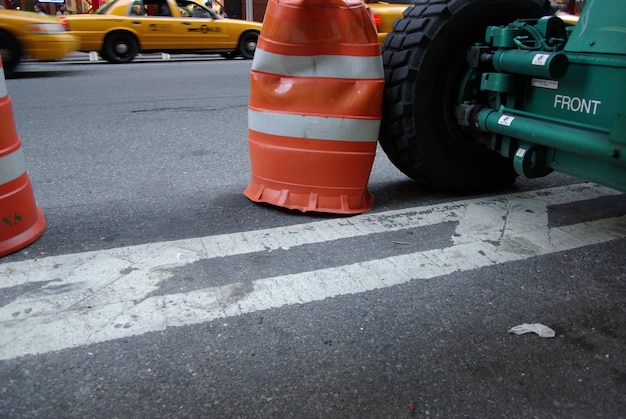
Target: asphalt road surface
pixel 159 290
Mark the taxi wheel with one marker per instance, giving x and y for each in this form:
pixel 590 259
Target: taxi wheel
pixel 119 48
pixel 10 52
pixel 247 44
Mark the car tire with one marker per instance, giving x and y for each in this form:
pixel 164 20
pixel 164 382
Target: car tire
pixel 120 48
pixel 424 60
pixel 247 44
pixel 10 51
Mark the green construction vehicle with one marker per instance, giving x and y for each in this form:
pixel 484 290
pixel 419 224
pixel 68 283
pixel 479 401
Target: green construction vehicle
pixel 478 92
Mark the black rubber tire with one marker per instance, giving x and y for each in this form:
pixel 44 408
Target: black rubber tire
pixel 10 51
pixel 120 48
pixel 425 61
pixel 104 54
pixel 247 44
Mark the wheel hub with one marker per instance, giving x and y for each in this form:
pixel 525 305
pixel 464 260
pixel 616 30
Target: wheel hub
pixel 251 46
pixel 121 48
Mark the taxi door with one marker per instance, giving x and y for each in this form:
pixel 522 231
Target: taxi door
pixel 152 20
pixel 199 28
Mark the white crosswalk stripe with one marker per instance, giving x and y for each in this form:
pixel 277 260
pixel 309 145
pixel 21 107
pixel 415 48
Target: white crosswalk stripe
pixel 98 296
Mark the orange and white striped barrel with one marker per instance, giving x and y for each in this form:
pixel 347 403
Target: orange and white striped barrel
pixel 315 106
pixel 21 221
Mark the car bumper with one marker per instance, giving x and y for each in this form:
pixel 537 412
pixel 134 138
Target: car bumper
pixel 50 47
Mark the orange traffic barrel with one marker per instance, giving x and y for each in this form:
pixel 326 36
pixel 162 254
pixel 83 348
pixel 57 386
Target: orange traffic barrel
pixel 21 221
pixel 315 106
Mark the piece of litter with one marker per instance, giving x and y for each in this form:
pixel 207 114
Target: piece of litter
pixel 540 329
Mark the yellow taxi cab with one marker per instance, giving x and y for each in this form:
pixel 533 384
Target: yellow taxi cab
pixel 385 13
pixel 121 29
pixel 32 35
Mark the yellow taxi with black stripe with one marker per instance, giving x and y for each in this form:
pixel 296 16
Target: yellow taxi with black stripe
pixel 121 29
pixel 28 34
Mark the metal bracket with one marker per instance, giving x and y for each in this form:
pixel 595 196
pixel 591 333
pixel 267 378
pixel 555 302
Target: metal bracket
pixel 530 161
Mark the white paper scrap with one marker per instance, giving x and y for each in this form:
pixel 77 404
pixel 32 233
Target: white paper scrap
pixel 540 329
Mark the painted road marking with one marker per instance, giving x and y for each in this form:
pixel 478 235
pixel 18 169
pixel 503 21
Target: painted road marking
pixel 98 296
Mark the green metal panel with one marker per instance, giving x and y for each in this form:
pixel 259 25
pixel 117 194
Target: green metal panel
pixel 618 133
pixel 589 95
pixel 601 28
pixel 613 176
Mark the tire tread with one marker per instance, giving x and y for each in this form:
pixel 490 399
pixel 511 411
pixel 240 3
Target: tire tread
pixel 410 55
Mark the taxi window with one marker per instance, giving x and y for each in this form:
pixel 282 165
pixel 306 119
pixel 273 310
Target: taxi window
pixel 149 8
pixel 192 9
pixel 162 9
pixel 137 8
pixel 105 7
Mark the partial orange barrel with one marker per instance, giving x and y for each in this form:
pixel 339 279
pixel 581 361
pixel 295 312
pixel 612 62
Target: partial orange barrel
pixel 315 106
pixel 21 221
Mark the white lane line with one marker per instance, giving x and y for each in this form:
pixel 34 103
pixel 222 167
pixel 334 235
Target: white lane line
pixel 104 263
pixel 97 296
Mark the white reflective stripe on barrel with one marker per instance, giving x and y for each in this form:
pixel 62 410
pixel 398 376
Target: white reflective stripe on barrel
pixel 3 85
pixel 336 66
pixel 12 166
pixel 314 127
